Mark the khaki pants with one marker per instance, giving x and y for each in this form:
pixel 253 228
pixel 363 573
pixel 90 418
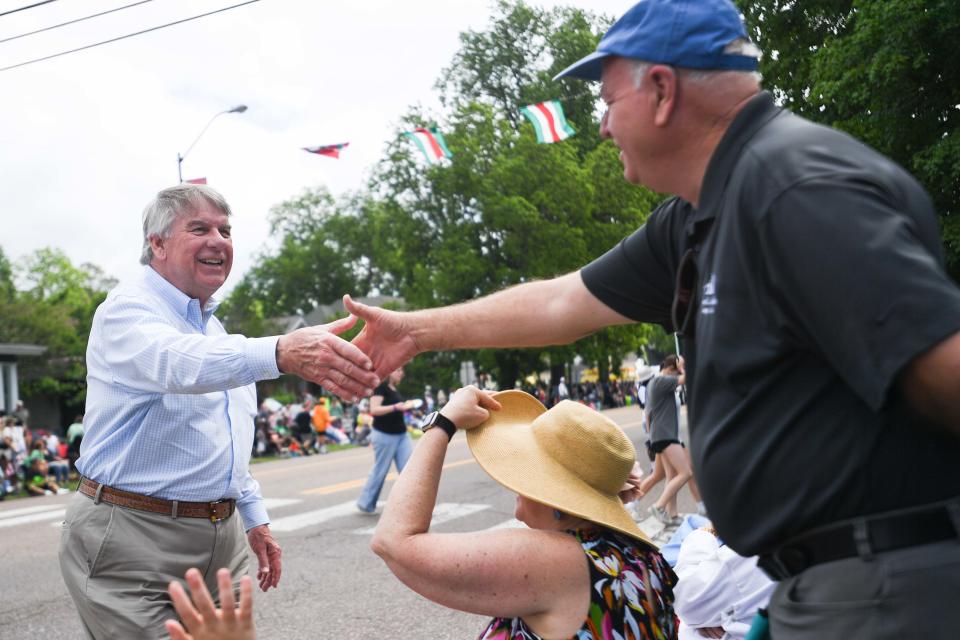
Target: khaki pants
pixel 117 563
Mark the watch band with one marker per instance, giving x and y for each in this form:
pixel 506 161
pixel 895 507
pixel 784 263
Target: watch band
pixel 437 419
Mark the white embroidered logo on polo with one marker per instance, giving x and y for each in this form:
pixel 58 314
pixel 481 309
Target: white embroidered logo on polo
pixel 709 303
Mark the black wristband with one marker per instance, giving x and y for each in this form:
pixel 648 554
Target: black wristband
pixel 437 419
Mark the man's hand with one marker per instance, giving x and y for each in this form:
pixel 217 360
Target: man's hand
pixel 268 556
pixel 203 621
pixel 386 337
pixel 318 355
pixel 469 407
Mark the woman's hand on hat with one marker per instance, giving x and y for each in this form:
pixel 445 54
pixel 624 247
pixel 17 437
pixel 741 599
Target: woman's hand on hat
pixel 469 407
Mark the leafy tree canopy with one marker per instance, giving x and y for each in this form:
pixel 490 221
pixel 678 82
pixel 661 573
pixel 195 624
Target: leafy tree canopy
pixel 882 70
pixel 503 210
pixel 54 310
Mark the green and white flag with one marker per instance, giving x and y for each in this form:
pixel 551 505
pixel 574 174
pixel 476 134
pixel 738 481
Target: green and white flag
pixel 548 121
pixel 430 142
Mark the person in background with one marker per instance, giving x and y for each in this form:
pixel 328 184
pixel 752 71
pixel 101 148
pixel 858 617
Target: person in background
pixel 718 591
pixel 74 438
pixel 303 427
pixel 38 480
pixel 671 455
pixel 21 412
pixel 391 442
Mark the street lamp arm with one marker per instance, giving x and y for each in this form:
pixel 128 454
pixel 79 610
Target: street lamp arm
pixel 200 135
pixel 180 157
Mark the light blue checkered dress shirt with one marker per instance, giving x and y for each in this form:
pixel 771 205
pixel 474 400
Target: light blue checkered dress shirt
pixel 171 399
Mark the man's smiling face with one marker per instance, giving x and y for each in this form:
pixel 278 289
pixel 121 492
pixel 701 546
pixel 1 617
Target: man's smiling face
pixel 197 256
pixel 627 119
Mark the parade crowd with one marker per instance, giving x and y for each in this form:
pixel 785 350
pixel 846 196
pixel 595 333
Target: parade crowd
pixel 315 424
pixel 40 461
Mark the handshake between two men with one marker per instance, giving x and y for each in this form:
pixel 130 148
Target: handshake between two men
pixel 351 370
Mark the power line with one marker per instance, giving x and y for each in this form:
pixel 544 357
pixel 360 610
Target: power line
pixel 129 35
pixel 63 24
pixel 29 6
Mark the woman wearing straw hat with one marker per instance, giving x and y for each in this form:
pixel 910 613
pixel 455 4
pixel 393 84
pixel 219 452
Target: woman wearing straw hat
pixel 567 466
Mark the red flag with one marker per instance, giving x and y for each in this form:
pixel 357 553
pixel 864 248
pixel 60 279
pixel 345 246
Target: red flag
pixel 329 150
pixel 197 181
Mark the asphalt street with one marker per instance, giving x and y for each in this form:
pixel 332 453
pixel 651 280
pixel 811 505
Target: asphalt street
pixel 333 586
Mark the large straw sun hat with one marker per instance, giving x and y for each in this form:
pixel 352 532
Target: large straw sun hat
pixel 570 458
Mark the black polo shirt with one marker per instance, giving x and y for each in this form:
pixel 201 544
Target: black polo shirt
pixel 820 276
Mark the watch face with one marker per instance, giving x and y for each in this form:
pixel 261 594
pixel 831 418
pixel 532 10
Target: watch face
pixel 430 420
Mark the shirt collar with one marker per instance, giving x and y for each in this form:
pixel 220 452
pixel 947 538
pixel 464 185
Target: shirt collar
pixel 757 112
pixel 185 306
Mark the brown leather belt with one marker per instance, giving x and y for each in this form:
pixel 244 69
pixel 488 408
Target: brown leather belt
pixel 214 511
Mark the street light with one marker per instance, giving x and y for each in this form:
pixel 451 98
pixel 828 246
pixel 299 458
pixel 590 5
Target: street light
pixel 240 108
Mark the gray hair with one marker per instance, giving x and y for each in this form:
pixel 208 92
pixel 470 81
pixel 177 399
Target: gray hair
pixel 738 47
pixel 159 214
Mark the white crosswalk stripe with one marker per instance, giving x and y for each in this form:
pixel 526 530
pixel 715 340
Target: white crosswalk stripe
pixel 512 523
pixel 13 513
pixel 277 503
pixel 33 517
pixel 270 503
pixel 309 518
pixel 443 512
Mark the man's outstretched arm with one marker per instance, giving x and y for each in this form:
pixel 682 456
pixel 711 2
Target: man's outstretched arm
pixel 533 314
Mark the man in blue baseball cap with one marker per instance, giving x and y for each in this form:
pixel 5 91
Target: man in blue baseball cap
pixel 805 276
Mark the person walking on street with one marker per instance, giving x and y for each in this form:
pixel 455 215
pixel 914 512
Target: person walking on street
pixel 391 442
pixel 665 441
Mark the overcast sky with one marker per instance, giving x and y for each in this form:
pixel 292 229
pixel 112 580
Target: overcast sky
pixel 88 138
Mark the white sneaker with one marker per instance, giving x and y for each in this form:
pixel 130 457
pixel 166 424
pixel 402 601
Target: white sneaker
pixel 659 514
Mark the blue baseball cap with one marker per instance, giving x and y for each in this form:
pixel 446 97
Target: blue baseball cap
pixel 683 33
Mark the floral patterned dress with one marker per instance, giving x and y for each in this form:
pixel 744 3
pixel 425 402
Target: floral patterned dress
pixel 619 609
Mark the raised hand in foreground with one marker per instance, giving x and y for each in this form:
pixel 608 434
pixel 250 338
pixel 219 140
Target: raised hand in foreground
pixel 203 621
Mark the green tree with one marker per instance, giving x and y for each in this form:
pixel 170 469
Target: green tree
pixel 882 70
pixel 7 288
pixel 313 265
pixel 55 310
pixel 502 211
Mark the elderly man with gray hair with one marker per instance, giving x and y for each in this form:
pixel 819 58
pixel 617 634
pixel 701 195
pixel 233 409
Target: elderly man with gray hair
pixel 169 425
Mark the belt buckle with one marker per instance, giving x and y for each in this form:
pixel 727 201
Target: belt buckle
pixel 213 511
